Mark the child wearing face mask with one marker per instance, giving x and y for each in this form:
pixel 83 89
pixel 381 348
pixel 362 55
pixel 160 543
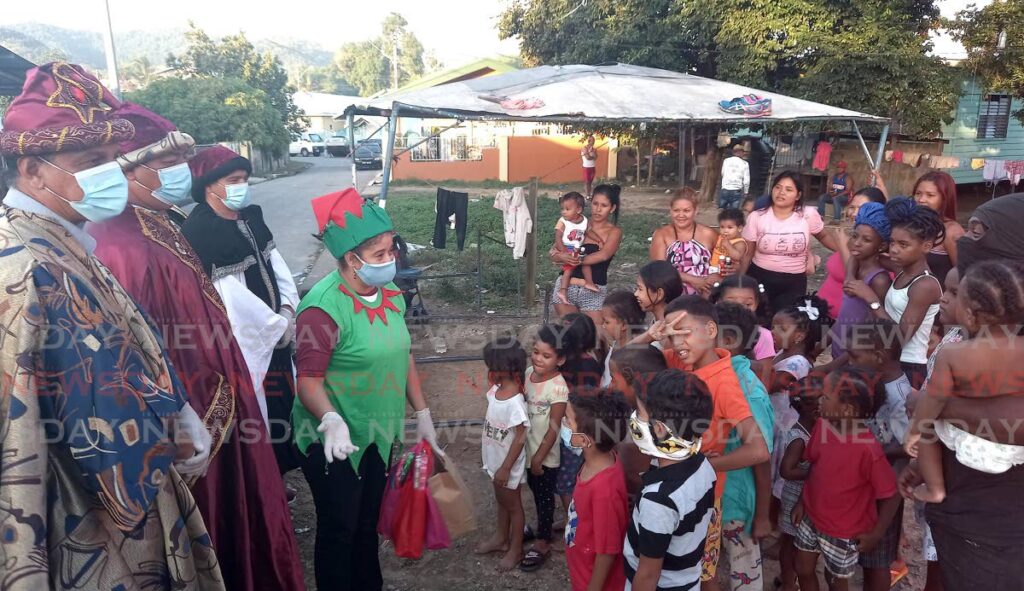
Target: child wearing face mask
pixel 669 525
pixel 632 369
pixel 595 422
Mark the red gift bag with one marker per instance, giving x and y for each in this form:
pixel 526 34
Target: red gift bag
pixel 409 516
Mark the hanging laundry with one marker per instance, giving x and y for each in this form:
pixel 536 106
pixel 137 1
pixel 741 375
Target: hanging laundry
pixel 822 155
pixel 888 155
pixel 450 203
pixel 897 156
pixel 1014 170
pixel 977 163
pixel 516 219
pixel 994 170
pixel 944 162
pixel 912 158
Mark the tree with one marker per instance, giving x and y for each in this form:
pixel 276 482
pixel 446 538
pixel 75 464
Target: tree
pixel 869 55
pixel 138 73
pixel 235 57
pixel 367 64
pixel 216 110
pixel 994 39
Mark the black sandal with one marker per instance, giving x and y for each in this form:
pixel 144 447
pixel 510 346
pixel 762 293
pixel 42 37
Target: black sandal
pixel 533 561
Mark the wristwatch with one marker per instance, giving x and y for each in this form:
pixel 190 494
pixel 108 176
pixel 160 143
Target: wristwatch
pixel 874 305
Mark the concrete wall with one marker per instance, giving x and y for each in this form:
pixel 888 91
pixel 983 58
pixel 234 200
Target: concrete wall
pixel 263 162
pixel 556 159
pixel 514 160
pixel 468 170
pixel 963 135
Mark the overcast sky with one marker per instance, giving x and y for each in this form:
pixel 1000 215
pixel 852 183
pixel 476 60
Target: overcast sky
pixel 457 31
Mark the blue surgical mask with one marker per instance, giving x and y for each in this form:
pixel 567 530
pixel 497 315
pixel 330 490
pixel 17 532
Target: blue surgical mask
pixel 566 434
pixel 377 275
pixel 175 184
pixel 104 191
pixel 237 197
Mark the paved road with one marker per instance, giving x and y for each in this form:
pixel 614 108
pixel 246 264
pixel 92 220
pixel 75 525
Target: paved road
pixel 285 203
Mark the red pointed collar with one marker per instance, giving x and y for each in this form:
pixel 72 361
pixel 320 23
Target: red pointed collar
pixel 378 311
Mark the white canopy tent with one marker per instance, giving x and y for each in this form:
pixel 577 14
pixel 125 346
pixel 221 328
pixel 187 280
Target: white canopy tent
pixel 619 93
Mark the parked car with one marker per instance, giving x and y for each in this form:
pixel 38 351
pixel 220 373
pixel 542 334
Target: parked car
pixel 368 156
pixel 337 144
pixel 306 144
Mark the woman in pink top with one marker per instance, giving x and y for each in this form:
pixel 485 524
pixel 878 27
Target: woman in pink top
pixel 835 272
pixel 778 241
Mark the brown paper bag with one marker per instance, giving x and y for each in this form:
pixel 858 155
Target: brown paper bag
pixel 452 497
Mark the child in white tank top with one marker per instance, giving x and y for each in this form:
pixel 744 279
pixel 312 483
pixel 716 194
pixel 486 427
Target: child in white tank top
pixel 570 232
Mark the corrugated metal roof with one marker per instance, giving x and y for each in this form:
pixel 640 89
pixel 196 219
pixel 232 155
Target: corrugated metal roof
pixel 620 93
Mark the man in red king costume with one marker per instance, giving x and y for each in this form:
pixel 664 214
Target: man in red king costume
pixel 241 496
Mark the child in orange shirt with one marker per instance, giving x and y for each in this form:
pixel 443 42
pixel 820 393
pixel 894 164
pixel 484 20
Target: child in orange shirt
pixel 692 325
pixel 731 247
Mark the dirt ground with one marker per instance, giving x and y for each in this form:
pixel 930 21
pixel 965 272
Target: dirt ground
pixel 456 395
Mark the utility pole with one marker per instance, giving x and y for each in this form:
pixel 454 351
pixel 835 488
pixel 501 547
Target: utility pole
pixel 394 60
pixel 112 82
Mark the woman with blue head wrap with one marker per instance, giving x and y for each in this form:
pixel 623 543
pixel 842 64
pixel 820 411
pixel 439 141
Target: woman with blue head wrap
pixel 871 234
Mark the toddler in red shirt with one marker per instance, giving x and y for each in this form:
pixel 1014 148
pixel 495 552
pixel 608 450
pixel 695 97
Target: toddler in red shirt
pixel 849 497
pixel 595 422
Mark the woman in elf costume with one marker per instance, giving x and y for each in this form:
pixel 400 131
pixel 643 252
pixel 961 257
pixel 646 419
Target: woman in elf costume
pixel 355 373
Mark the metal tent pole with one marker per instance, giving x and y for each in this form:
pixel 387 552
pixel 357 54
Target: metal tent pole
pixel 881 146
pixel 388 156
pixel 863 145
pixel 350 120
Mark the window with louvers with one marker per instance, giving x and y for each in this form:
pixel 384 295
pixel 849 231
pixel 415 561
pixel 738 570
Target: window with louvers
pixel 993 116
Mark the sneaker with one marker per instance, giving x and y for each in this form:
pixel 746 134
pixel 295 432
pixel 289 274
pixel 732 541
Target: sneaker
pixel 750 105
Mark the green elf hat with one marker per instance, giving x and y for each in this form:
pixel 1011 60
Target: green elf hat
pixel 346 220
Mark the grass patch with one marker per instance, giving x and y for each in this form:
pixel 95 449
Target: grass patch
pixel 413 215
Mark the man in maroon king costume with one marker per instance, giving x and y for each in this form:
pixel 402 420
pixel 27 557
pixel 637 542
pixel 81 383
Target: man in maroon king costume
pixel 241 496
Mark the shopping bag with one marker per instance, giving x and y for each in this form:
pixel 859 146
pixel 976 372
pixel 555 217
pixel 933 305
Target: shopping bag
pixel 437 530
pixel 450 493
pixel 389 503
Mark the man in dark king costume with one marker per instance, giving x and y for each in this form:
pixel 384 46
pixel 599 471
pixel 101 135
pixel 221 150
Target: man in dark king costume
pixel 90 409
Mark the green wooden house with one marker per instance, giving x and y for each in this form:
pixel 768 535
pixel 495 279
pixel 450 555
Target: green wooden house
pixel 984 127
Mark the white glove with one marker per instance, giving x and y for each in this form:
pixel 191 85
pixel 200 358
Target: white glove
pixel 337 440
pixel 190 423
pixel 425 429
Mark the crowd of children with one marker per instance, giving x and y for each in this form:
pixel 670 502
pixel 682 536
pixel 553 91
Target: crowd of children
pixel 687 428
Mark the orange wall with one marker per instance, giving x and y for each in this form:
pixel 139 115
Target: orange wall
pixel 541 155
pixel 469 170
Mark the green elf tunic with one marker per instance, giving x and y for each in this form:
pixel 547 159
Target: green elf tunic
pixel 367 373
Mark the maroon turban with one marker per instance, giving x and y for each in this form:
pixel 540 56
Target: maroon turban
pixel 62 108
pixel 213 164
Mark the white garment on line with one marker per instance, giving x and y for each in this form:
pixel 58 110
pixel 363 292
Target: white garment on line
pixel 255 326
pixel 994 170
pixel 516 218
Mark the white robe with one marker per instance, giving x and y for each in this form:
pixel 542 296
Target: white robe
pixel 256 327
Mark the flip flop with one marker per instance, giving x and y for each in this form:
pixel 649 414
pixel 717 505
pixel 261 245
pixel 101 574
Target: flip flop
pixel 533 561
pixel 897 572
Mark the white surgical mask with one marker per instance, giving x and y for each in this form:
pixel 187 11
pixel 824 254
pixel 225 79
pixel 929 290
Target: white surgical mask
pixel 175 184
pixel 104 191
pixel 566 435
pixel 238 196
